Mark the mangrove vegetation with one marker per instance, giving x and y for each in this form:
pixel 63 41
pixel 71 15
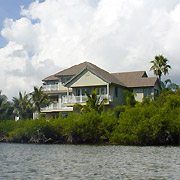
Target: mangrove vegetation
pixel 151 122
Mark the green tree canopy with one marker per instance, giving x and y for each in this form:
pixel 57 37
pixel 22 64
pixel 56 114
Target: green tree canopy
pixel 6 108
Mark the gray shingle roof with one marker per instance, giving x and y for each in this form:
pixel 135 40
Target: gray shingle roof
pixel 126 79
pixel 76 69
pixel 135 79
pixel 51 78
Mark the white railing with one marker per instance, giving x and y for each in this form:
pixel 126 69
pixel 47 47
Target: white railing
pixel 72 100
pixel 55 106
pixel 82 99
pixel 50 87
pixel 106 96
pixel 52 106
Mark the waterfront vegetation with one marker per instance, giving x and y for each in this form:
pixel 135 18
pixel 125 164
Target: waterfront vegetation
pixel 151 122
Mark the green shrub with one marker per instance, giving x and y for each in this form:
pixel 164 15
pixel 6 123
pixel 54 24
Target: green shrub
pixel 18 135
pixel 107 125
pixel 7 126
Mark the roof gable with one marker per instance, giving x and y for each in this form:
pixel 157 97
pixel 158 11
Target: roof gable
pixel 77 69
pixel 92 75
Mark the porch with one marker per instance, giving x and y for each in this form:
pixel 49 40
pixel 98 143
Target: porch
pixel 56 107
pixel 50 87
pixel 82 99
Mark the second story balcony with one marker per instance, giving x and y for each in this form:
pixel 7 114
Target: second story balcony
pixel 50 87
pixel 82 99
pixel 56 107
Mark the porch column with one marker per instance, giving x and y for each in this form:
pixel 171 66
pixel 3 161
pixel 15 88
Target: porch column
pixel 59 101
pixel 108 92
pixel 80 95
pixel 67 95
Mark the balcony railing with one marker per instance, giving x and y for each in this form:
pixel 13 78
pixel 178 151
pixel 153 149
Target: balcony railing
pixel 52 106
pixel 82 99
pixel 55 106
pixel 50 87
pixel 72 100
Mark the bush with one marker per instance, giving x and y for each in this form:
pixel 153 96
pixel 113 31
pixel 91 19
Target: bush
pixel 83 128
pixel 150 122
pixel 107 125
pixel 6 126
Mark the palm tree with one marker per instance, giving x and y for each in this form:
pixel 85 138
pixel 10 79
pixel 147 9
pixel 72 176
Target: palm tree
pixel 168 84
pixel 23 106
pixel 40 99
pixel 93 102
pixel 160 66
pixel 5 108
pixel 3 100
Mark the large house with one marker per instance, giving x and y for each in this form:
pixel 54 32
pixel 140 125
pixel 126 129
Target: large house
pixel 68 87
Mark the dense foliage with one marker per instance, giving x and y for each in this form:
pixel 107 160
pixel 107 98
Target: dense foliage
pixel 6 108
pixel 24 105
pixel 147 123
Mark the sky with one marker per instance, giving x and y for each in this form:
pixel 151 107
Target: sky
pixel 40 38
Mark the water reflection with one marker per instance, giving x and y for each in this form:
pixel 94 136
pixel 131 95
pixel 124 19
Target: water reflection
pixel 76 162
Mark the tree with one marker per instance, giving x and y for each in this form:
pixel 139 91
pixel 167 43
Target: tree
pixel 23 106
pixel 93 102
pixel 160 66
pixel 39 99
pixel 5 108
pixel 130 99
pixel 168 84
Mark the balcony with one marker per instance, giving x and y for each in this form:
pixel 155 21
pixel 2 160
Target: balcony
pixel 56 107
pixel 50 87
pixel 82 99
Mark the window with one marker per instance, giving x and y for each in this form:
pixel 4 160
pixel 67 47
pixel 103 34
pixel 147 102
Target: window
pixel 54 98
pixel 116 91
pixel 102 90
pixel 81 91
pixel 156 92
pixel 78 92
pixel 65 79
pixel 88 90
pixel 147 92
pixel 52 82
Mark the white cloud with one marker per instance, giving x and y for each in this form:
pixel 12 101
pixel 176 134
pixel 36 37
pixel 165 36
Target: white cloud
pixel 116 35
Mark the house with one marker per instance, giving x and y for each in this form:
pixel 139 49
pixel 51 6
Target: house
pixel 68 87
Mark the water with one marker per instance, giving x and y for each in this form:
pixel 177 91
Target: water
pixel 84 162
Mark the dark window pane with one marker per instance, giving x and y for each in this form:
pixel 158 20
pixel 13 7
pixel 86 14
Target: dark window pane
pixel 147 92
pixel 116 91
pixel 78 92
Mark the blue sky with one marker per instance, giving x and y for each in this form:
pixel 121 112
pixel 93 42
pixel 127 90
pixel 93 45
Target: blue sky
pixel 10 9
pixel 46 36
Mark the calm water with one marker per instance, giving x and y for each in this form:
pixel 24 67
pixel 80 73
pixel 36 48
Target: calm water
pixel 76 162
